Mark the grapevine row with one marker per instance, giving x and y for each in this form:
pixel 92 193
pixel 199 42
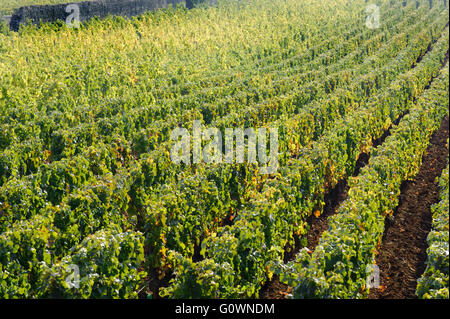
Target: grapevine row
pixel 341 263
pixel 434 282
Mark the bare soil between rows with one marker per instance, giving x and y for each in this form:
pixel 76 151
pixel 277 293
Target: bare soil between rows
pixel 402 254
pixel 275 289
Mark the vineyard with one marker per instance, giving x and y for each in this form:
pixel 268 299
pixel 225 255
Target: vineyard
pixel 90 193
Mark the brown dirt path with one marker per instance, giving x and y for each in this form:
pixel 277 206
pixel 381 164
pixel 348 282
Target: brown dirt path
pixel 402 254
pixel 275 289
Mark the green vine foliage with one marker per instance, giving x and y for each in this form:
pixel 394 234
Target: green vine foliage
pixel 337 268
pixel 86 177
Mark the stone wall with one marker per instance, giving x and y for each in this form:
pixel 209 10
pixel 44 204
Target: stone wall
pixel 88 9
